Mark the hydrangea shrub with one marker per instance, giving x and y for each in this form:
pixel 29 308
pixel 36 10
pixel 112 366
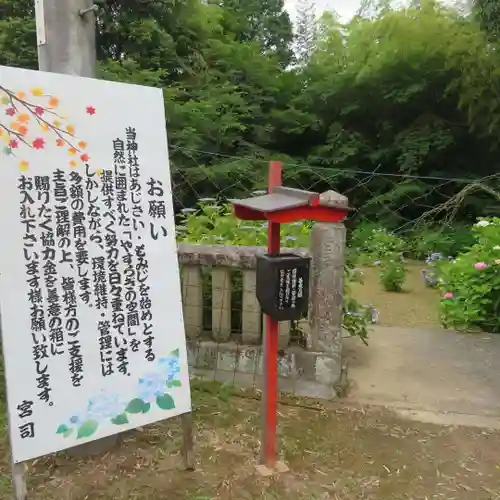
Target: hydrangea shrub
pixel 470 284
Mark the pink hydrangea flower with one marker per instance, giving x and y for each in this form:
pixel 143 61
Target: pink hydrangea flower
pixel 480 265
pixel 448 295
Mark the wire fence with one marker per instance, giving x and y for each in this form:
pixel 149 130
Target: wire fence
pixel 223 319
pixel 401 202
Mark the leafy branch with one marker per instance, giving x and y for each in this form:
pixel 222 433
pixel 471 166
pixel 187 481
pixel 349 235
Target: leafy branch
pixel 18 104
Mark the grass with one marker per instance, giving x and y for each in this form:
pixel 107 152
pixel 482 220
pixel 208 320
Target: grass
pixel 333 451
pixel 416 307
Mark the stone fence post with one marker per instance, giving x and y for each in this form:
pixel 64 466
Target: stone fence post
pixel 328 245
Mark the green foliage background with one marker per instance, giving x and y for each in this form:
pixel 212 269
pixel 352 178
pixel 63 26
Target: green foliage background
pixel 410 94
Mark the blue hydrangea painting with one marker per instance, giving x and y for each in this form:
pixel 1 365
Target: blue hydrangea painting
pixel 155 388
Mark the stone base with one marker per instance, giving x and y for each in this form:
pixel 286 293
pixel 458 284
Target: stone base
pixel 302 373
pixel 279 468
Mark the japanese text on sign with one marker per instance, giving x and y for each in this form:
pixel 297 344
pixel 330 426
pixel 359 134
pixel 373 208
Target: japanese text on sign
pixel 89 311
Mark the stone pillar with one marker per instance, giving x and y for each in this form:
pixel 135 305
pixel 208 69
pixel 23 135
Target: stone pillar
pixel 221 303
pixel 192 301
pixel 328 243
pixel 250 323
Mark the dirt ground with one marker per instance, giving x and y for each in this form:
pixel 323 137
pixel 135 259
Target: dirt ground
pixel 416 307
pixel 333 451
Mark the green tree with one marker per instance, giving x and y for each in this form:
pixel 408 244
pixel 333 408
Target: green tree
pixel 391 95
pixel 17 34
pixel 262 21
pixel 488 14
pixel 306 30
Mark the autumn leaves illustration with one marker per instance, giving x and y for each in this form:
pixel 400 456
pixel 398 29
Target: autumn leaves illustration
pixel 32 120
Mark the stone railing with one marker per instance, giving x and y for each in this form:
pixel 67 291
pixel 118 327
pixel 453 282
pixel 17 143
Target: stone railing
pixel 218 291
pixel 224 323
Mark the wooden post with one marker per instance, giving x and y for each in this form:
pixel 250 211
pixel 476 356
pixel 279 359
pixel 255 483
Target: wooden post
pixel 19 481
pixel 19 488
pixel 188 441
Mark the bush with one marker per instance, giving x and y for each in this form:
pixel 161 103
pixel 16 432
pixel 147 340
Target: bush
pixel 212 224
pixel 471 283
pixel 449 240
pixel 392 273
pixel 375 243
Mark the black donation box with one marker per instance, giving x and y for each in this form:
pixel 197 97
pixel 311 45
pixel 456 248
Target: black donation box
pixel 283 285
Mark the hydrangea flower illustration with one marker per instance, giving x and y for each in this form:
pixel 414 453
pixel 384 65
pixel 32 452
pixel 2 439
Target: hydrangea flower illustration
pixel 112 407
pixel 101 407
pixel 170 368
pixel 151 385
pixel 104 406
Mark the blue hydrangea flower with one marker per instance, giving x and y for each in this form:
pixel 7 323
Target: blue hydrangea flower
pixel 170 368
pixel 429 277
pixel 75 420
pixel 105 405
pixel 433 257
pixel 151 385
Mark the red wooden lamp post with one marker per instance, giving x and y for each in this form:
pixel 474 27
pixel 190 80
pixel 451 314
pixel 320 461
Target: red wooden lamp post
pixel 282 279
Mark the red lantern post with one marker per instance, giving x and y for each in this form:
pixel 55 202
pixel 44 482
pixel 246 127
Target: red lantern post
pixel 270 392
pixel 281 299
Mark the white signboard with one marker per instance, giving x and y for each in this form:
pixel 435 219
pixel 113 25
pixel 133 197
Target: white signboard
pixel 90 297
